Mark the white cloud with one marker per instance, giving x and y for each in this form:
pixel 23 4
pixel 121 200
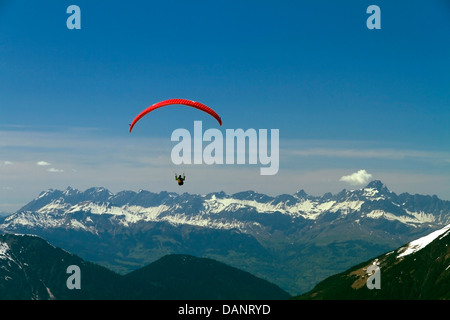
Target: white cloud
pixel 358 178
pixel 43 163
pixel 7 163
pixel 55 170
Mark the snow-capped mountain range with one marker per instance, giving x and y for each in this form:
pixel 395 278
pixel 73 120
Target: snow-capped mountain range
pixel 277 238
pixel 61 209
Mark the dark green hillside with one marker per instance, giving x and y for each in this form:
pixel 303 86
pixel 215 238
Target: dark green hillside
pixel 32 269
pixel 184 277
pixel 423 275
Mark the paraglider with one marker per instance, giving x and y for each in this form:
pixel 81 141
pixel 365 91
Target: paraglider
pixel 185 102
pixel 180 179
pixel 189 103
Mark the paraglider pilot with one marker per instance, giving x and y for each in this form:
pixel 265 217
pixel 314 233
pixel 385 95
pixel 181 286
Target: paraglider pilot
pixel 180 179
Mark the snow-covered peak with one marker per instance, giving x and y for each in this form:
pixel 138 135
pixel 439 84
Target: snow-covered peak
pixel 372 194
pixel 376 190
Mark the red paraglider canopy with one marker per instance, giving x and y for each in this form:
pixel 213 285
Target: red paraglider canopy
pixel 189 103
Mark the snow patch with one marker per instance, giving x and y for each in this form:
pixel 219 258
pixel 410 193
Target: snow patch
pixel 421 243
pixel 4 248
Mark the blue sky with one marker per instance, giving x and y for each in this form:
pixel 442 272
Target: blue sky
pixel 344 98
